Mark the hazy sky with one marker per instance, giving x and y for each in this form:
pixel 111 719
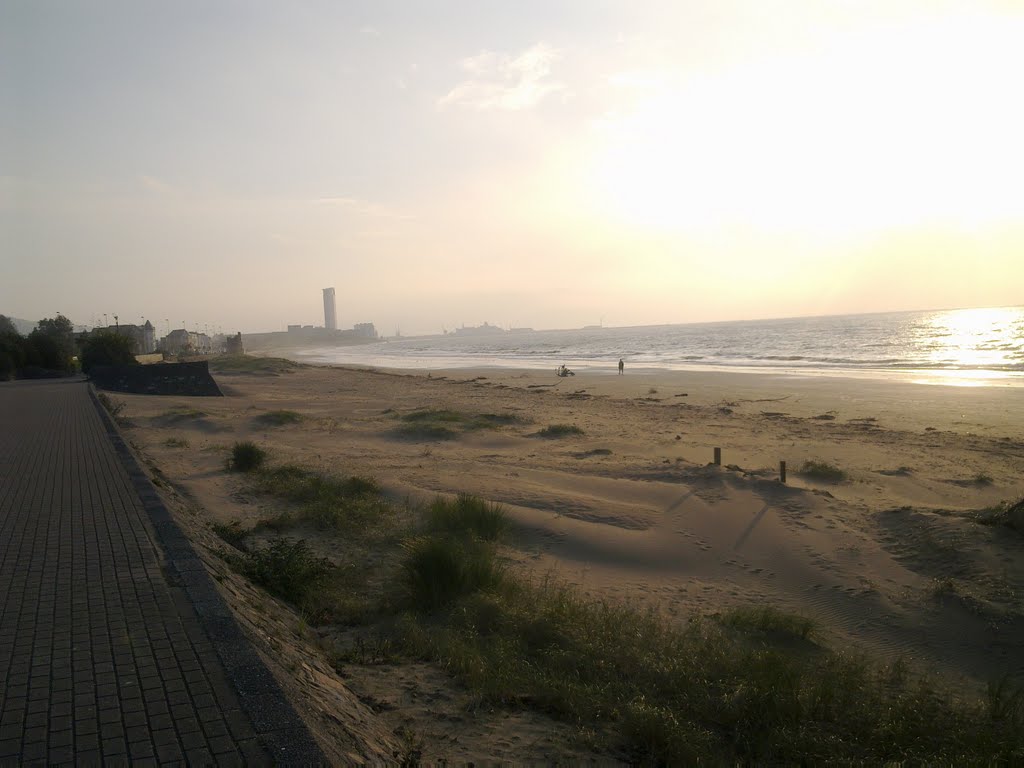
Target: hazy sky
pixel 549 164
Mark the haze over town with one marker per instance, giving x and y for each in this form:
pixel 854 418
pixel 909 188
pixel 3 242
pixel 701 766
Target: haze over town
pixel 543 164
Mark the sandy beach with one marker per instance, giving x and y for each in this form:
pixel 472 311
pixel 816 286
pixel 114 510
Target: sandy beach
pixel 889 559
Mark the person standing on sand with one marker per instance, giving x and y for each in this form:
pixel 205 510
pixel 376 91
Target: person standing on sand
pixel 622 366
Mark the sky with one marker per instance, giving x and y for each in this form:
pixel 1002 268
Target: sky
pixel 216 163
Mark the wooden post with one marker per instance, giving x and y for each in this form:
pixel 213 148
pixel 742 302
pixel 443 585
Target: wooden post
pixel 718 455
pixel 782 471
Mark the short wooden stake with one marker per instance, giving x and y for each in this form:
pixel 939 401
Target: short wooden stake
pixel 718 455
pixel 782 471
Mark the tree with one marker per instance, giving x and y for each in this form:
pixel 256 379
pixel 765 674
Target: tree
pixel 107 348
pixel 12 354
pixel 7 326
pixel 54 343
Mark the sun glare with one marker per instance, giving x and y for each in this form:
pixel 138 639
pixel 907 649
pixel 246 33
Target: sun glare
pixel 974 338
pixel 880 129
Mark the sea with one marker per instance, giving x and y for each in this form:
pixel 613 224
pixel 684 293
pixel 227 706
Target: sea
pixel 970 347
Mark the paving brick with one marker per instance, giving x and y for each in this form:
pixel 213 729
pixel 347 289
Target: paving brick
pixel 104 658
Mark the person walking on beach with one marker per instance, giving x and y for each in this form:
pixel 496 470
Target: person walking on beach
pixel 622 366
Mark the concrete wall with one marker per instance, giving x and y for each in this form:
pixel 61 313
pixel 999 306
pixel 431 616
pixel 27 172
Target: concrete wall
pixel 166 379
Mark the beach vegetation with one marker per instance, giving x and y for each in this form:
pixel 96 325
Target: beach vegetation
pixel 1007 514
pixel 468 515
pixel 594 452
pixel 559 430
pixel 769 620
pixel 111 406
pixel 287 568
pixel 246 456
pixel 438 569
pixel 179 414
pixel 351 504
pixel 647 688
pixel 278 418
pixel 443 424
pixel 266 366
pixel 982 479
pixel 176 442
pixel 822 472
pixel 233 533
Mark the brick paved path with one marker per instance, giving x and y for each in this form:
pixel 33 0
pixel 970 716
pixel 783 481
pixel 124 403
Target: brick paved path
pixel 112 638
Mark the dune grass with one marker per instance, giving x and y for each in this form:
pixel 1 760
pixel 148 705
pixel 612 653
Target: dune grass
pixel 246 456
pixel 278 418
pixel 822 471
pixel 1007 514
pixel 267 366
pixel 181 413
pixel 769 620
pixel 467 514
pixel 233 533
pixel 703 692
pixel 641 687
pixel 351 504
pixel 559 430
pixel 443 424
pixel 176 442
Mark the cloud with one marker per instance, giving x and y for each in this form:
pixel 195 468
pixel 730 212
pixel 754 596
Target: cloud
pixel 501 81
pixel 360 207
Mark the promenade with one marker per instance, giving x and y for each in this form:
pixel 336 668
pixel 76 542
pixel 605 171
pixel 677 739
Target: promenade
pixel 114 645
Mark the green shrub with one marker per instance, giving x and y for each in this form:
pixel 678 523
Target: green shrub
pixel 246 457
pixel 467 514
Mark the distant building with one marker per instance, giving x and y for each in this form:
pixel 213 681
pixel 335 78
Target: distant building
pixel 365 329
pixel 233 345
pixel 330 313
pixel 183 342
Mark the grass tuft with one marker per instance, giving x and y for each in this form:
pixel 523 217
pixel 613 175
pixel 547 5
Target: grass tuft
pixel 467 514
pixel 246 457
pixel 287 568
pixel 267 366
pixel 822 471
pixel 350 504
pixel 278 418
pixel 559 430
pixel 179 414
pixel 233 533
pixel 176 442
pixel 1006 514
pixel 437 570
pixel 769 620
pixel 443 424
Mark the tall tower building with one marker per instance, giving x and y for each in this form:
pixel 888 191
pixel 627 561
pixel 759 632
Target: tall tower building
pixel 330 315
